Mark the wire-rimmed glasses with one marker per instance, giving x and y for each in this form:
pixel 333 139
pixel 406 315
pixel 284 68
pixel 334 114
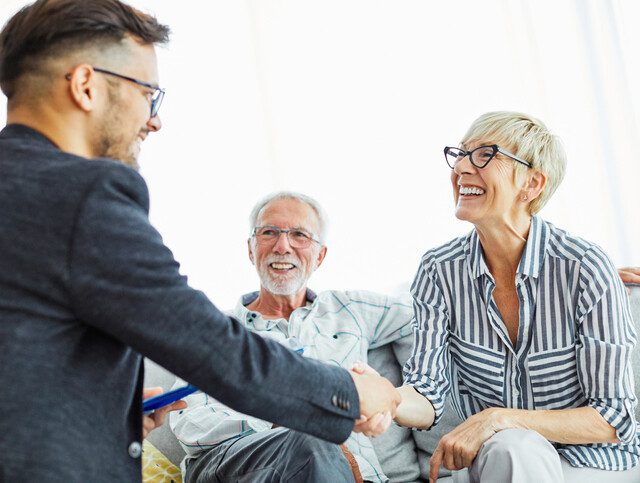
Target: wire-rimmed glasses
pixel 269 235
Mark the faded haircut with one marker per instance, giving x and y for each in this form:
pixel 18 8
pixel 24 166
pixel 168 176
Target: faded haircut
pixel 51 29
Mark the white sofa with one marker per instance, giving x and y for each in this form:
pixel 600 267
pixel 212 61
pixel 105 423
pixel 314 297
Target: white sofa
pixel 404 454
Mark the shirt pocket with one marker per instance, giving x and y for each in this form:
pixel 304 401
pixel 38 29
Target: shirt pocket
pixel 478 369
pixel 554 379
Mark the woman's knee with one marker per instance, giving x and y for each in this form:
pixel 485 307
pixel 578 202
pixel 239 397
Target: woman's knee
pixel 517 441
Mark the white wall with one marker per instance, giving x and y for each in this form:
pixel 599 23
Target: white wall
pixel 352 101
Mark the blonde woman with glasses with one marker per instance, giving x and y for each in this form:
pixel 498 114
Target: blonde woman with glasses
pixel 526 327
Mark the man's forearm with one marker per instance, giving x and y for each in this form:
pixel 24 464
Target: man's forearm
pixel 415 410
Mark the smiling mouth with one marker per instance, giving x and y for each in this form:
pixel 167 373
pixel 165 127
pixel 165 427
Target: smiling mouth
pixel 282 267
pixel 470 191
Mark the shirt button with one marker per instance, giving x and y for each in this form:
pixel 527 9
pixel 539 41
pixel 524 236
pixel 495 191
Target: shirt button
pixel 135 450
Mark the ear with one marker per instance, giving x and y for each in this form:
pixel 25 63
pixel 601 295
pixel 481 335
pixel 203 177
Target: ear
pixel 82 87
pixel 250 248
pixel 534 185
pixel 321 254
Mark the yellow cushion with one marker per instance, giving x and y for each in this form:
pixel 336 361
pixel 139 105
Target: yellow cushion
pixel 156 468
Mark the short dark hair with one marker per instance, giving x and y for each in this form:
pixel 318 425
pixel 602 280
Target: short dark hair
pixel 50 28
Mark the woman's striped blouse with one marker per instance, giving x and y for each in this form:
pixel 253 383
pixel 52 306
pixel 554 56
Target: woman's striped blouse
pixel 574 340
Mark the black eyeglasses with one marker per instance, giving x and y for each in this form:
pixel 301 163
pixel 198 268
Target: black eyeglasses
pixel 479 157
pixel 268 235
pixel 156 97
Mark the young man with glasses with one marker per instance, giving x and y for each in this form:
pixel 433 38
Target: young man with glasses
pixel 87 286
pixel 287 244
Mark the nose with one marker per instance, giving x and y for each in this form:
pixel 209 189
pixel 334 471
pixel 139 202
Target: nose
pixel 282 246
pixel 464 166
pixel 154 123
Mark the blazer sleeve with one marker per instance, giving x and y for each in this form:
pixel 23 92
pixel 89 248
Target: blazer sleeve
pixel 124 281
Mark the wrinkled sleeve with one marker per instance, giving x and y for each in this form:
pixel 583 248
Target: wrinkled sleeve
pixel 606 338
pixel 427 368
pixel 207 422
pixel 387 318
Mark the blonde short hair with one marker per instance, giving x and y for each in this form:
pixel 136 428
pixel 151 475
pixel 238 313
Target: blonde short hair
pixel 529 139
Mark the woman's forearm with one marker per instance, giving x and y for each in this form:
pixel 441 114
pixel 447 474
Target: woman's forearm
pixel 415 410
pixel 582 425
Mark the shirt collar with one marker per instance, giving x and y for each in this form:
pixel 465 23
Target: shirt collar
pixel 537 242
pixel 477 265
pixel 254 319
pixel 247 298
pixel 532 257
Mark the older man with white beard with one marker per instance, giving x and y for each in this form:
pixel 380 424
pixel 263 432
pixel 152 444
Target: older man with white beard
pixel 286 246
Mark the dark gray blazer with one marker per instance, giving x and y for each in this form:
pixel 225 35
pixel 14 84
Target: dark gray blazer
pixel 86 288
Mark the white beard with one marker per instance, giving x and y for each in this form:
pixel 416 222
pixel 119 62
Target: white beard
pixel 283 285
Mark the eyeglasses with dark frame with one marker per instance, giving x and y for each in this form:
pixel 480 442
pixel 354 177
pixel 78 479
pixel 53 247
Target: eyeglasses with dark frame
pixel 480 156
pixel 269 235
pixel 156 98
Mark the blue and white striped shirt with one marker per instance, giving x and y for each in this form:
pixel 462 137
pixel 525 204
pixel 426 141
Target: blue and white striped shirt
pixel 574 341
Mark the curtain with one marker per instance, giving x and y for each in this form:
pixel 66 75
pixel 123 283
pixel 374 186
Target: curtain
pixel 352 101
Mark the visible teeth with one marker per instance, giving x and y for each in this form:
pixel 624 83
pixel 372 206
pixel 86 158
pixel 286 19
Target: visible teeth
pixel 471 190
pixel 282 266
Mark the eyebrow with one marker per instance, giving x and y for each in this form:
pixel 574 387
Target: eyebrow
pixel 292 228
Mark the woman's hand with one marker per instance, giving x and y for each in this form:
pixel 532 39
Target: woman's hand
pixel 458 449
pixel 629 274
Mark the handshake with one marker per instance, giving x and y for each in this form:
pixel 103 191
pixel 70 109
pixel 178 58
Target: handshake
pixel 379 400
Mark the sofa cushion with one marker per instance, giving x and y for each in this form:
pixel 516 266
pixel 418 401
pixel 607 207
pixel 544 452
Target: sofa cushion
pixel 396 449
pixel 427 441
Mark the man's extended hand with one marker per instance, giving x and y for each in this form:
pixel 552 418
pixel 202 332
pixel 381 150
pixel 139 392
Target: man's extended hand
pixel 379 400
pixel 155 419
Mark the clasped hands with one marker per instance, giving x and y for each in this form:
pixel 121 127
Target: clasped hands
pixel 456 450
pixel 379 400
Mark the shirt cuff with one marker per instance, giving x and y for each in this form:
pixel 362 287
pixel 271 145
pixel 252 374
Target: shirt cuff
pixel 258 425
pixel 619 413
pixel 427 388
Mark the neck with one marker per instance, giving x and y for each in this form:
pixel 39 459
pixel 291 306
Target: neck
pixel 273 306
pixel 503 242
pixel 66 133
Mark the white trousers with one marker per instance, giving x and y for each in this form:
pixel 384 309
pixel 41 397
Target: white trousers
pixel 523 456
